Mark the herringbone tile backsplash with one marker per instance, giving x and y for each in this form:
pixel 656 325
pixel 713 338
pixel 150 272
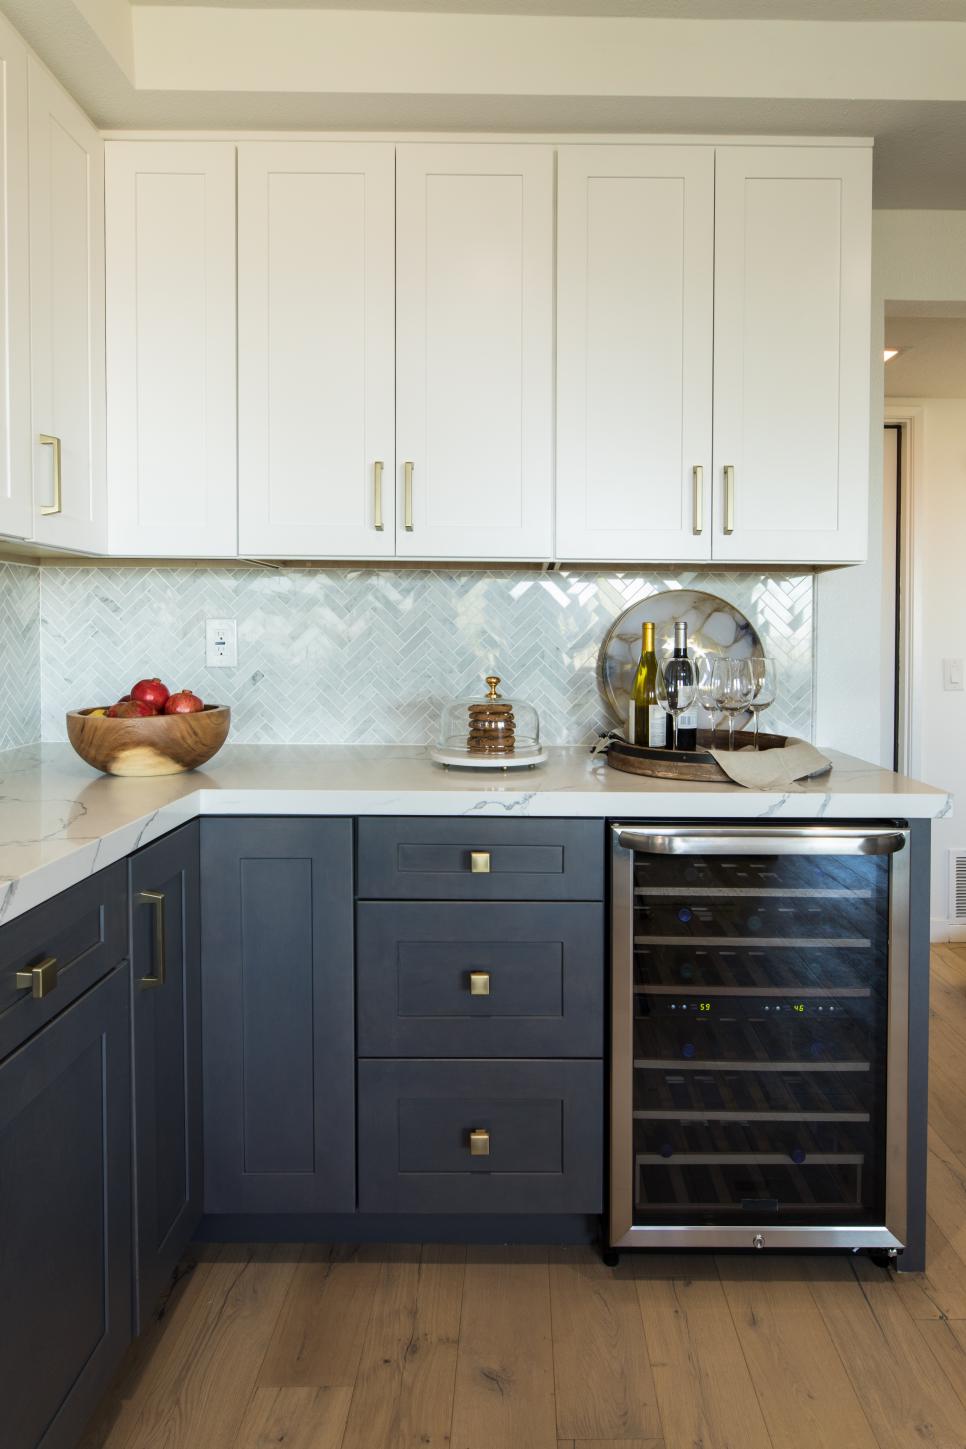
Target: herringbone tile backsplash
pixel 362 655
pixel 19 655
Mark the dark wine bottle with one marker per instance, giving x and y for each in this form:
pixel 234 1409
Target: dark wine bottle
pixel 688 721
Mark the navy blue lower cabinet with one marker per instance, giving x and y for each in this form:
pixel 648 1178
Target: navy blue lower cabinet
pixel 481 1136
pixel 65 1218
pixel 278 1018
pixel 166 982
pixel 480 979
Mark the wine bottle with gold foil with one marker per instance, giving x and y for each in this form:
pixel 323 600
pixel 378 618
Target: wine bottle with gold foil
pixel 646 720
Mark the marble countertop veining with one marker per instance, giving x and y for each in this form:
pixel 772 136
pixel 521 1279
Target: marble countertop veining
pixel 60 820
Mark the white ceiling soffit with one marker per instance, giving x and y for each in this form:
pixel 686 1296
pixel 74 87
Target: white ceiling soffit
pixel 634 9
pixel 184 66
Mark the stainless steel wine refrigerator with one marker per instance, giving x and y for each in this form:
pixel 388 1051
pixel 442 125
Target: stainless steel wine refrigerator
pixel 760 1036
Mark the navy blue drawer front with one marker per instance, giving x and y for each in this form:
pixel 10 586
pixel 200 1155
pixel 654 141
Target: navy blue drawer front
pixel 541 1123
pixel 457 979
pixel 519 860
pixel 84 929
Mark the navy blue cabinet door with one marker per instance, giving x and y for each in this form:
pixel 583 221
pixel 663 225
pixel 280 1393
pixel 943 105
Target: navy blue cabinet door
pixel 166 972
pixel 65 1218
pixel 279 1043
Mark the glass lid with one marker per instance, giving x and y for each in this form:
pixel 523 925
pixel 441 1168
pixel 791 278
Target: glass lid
pixel 489 725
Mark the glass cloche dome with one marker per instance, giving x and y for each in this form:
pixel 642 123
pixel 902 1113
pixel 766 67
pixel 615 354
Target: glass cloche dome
pixel 489 732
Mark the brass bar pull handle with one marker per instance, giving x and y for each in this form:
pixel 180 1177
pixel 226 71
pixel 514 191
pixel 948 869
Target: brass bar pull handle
pixel 42 978
pixel 155 899
pixel 697 497
pixel 729 498
pixel 49 441
pixel 479 1142
pixel 479 983
pixel 408 497
pixel 480 862
pixel 377 522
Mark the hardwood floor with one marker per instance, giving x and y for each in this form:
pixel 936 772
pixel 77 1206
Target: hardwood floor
pixel 527 1348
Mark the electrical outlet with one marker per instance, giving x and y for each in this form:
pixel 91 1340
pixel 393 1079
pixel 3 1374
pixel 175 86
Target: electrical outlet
pixel 221 643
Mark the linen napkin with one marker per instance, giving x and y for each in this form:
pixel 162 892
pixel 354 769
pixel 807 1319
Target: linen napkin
pixel 778 769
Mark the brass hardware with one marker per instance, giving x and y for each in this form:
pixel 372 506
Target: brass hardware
pixel 377 522
pixel 155 899
pixel 408 497
pixel 479 983
pixel 49 441
pixel 479 1142
pixel 697 498
pixel 493 680
pixel 729 498
pixel 480 862
pixel 42 978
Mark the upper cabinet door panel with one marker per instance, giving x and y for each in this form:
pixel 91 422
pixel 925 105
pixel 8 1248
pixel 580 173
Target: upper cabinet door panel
pixel 635 269
pixel 474 351
pixel 171 348
pixel 792 318
pixel 67 318
pixel 15 495
pixel 315 282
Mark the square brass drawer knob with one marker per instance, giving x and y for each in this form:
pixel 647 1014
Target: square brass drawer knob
pixel 479 1142
pixel 41 979
pixel 480 862
pixel 479 983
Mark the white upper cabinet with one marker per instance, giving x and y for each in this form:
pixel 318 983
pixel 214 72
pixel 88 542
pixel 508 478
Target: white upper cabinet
pixel 635 270
pixel 474 376
pixel 315 331
pixel 16 511
pixel 791 375
pixel 171 458
pixel 66 319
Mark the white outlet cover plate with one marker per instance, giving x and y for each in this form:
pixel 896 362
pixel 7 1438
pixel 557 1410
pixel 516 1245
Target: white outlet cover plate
pixel 221 643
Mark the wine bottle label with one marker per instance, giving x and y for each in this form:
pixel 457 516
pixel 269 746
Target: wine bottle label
pixel 656 725
pixel 631 719
pixel 688 721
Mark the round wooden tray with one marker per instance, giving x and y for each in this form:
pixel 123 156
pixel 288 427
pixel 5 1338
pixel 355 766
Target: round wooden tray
pixel 696 764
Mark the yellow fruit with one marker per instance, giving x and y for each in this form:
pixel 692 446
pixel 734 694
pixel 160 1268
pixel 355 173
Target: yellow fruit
pixel 97 711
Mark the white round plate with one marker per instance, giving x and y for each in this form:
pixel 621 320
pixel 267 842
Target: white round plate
pixel 461 760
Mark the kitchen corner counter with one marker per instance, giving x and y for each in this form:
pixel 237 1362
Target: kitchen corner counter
pixel 61 821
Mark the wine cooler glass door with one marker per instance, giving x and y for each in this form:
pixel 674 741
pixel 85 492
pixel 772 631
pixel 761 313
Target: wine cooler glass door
pixel 759 974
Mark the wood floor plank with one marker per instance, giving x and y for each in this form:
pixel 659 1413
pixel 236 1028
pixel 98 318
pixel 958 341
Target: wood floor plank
pixel 692 1340
pixel 403 1397
pixel 947 1192
pixel 806 1396
pixel 504 1374
pixel 603 1382
pixel 616 1444
pixel 946 1341
pixel 295 1418
pixel 197 1386
pixel 940 1292
pixel 906 1397
pixel 320 1332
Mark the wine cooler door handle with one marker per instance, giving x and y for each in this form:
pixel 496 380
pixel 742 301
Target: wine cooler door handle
pixel 752 840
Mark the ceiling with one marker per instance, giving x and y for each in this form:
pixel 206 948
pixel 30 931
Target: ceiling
pixel 672 9
pixel 694 67
pixel 932 362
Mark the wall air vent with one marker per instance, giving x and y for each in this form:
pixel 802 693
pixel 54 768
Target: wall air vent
pixel 957 885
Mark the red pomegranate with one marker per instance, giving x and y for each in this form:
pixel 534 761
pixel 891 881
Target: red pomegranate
pixel 183 702
pixel 152 692
pixel 130 709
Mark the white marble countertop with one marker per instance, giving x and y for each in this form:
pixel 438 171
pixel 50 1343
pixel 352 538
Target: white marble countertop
pixel 60 820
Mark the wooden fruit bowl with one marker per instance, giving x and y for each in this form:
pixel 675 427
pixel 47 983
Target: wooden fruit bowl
pixel 159 744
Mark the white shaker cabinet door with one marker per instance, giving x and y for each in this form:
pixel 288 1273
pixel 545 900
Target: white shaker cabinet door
pixel 474 370
pixel 16 513
pixel 171 467
pixel 66 319
pixel 791 374
pixel 635 269
pixel 315 328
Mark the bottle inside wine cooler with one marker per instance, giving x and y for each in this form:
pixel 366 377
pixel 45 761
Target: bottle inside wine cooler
pixel 688 721
pixel 646 720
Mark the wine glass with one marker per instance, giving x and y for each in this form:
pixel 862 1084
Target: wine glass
pixel 676 689
pixel 709 692
pixel 765 679
pixel 737 691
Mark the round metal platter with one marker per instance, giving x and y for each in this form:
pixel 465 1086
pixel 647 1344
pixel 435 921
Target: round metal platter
pixel 714 627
